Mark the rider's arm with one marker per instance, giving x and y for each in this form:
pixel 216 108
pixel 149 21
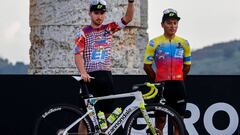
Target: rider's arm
pixel 186 69
pixel 129 13
pixel 80 66
pixel 79 61
pixel 150 72
pixel 148 60
pixel 187 58
pixel 118 25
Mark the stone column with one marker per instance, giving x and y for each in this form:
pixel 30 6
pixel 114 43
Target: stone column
pixel 54 24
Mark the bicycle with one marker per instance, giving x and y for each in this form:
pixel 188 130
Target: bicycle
pixel 65 119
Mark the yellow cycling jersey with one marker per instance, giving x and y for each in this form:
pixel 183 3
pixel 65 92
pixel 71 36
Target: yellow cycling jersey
pixel 169 57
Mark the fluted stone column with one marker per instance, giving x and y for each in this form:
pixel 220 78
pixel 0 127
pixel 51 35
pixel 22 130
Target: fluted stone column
pixel 54 24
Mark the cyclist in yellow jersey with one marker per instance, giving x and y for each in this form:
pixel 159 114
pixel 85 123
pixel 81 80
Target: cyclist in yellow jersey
pixel 172 58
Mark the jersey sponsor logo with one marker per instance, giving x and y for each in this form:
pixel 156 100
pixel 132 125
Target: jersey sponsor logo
pixel 151 43
pixel 150 58
pixel 161 54
pixel 78 34
pixel 99 55
pixel 107 32
pixel 178 53
pixel 77 49
pixel 179 45
pixel 179 76
pixel 100 51
pixel 187 59
pixel 100 43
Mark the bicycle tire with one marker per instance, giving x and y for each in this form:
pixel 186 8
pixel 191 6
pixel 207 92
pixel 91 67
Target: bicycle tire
pixel 172 114
pixel 54 119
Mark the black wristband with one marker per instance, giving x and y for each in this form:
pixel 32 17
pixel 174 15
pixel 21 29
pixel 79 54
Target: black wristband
pixel 130 1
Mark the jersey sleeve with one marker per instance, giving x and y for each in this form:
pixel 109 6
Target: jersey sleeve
pixel 79 42
pixel 116 26
pixel 149 53
pixel 187 54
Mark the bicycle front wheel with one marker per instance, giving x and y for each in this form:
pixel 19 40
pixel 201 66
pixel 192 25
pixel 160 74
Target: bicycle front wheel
pixel 163 118
pixel 55 119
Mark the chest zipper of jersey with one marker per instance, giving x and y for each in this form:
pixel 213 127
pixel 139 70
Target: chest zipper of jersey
pixel 170 58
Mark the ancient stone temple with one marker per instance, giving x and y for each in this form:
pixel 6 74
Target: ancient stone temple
pixel 54 24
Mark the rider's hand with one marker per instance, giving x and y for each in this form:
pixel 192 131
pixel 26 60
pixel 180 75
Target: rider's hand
pixel 184 76
pixel 85 77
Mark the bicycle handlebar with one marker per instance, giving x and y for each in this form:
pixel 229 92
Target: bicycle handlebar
pixel 150 95
pixel 79 78
pixel 152 92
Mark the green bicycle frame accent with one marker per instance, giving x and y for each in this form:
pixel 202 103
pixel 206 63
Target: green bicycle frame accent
pixel 147 118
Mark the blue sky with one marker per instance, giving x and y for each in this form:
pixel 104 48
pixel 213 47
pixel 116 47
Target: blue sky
pixel 203 23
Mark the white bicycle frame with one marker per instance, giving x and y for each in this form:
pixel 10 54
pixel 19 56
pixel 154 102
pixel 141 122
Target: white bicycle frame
pixel 137 103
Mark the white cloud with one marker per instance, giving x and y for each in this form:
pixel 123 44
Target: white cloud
pixel 11 31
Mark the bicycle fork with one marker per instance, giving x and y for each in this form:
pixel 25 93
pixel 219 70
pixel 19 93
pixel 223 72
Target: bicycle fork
pixel 147 118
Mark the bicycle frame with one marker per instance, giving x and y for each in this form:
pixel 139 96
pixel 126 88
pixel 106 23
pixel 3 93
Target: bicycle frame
pixel 134 105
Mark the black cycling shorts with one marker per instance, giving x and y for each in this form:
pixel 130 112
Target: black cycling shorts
pixel 175 95
pixel 102 85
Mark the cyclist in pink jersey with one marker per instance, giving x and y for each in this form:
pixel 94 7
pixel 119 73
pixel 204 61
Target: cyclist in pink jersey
pixel 93 50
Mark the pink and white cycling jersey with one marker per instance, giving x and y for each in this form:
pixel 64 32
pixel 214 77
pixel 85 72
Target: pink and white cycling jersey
pixel 95 44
